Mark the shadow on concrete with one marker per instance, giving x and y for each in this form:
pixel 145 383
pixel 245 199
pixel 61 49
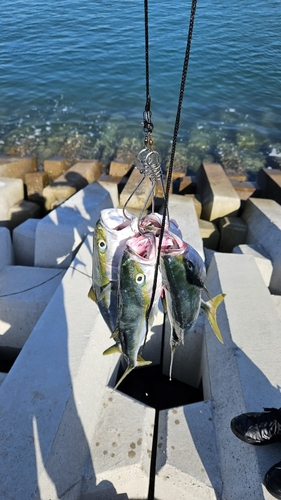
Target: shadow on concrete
pixel 44 446
pixel 258 393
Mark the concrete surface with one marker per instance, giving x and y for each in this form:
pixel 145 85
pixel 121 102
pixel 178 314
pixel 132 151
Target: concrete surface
pixel 6 248
pixel 187 465
pixel 11 192
pixel 24 242
pixel 185 215
pixel 261 257
pixel 218 196
pixel 17 167
pixel 243 373
pixel 59 234
pixel 24 294
pixel 233 231
pixel 263 218
pixel 139 198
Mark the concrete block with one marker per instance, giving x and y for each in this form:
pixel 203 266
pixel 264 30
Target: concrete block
pixel 6 248
pixel 139 198
pixel 187 465
pixel 2 377
pixel 24 242
pixel 263 218
pixel 209 234
pixel 11 192
pixel 17 167
pixel 60 233
pixel 233 231
pixel 197 203
pixel 218 196
pixel 113 185
pixel 187 185
pixel 35 183
pixel 23 211
pixel 270 183
pixel 24 294
pixel 56 166
pixel 51 400
pixel 261 257
pixel 251 188
pixel 182 209
pixel 243 373
pixel 119 168
pixel 277 302
pixel 121 451
pixel 77 177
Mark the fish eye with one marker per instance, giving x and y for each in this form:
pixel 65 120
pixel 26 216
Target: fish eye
pixel 140 278
pixel 102 245
pixel 189 265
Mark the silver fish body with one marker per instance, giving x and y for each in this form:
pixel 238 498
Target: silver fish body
pixel 136 275
pixel 111 233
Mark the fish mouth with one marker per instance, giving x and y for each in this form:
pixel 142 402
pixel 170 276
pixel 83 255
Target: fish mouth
pixel 172 244
pixel 113 219
pixel 144 246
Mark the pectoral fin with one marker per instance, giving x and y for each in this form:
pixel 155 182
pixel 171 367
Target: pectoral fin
pixel 92 294
pixel 113 350
pixel 210 309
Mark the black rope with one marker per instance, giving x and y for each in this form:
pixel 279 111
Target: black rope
pixel 173 150
pixel 147 124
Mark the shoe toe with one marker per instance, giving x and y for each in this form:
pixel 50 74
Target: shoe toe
pixel 272 480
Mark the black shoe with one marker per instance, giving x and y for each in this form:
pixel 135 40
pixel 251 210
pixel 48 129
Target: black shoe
pixel 258 428
pixel 272 480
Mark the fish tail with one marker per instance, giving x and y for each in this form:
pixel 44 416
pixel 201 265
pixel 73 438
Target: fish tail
pixel 210 309
pixel 140 362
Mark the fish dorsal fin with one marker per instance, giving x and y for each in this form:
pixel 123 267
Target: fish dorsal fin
pixel 92 294
pixel 210 309
pixel 112 350
pixel 115 334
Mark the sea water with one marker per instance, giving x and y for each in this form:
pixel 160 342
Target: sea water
pixel 72 79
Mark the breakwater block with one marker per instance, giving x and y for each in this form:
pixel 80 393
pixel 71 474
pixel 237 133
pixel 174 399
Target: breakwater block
pixel 140 196
pixel 6 248
pixel 24 294
pixel 75 178
pixel 270 183
pixel 113 185
pixel 243 373
pixel 56 166
pixel 182 209
pixel 187 463
pixel 218 196
pixel 24 242
pixel 60 233
pixel 17 167
pixel 209 234
pixel 263 218
pixel 119 168
pixel 11 192
pixel 23 211
pixel 233 232
pixel 35 183
pixel 261 257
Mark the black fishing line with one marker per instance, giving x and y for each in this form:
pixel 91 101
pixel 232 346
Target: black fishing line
pixel 42 283
pixel 173 150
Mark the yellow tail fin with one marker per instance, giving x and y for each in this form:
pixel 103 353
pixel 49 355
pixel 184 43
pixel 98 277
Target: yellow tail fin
pixel 210 309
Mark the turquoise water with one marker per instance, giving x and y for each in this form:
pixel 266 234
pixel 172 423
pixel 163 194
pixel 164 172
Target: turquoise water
pixel 72 79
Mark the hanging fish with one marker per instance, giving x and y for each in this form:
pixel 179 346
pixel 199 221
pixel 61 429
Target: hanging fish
pixel 136 276
pixel 183 274
pixel 111 233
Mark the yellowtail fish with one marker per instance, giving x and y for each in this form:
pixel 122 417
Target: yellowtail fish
pixel 183 276
pixel 111 234
pixel 136 275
